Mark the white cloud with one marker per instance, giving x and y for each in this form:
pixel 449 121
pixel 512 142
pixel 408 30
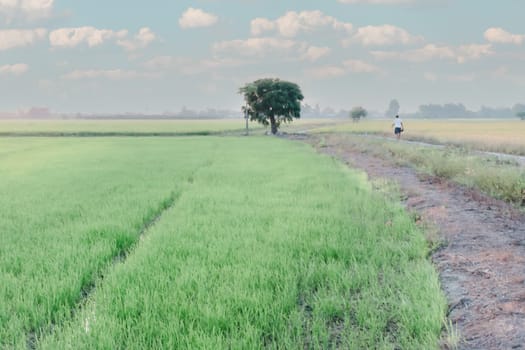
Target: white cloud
pixel 12 38
pixel 293 23
pixel 358 66
pixel 326 72
pixel 30 9
pixel 254 46
pixel 501 36
pixel 194 18
pixel 383 35
pixel 473 52
pixel 145 37
pixel 14 69
pixel 314 53
pixel 430 52
pixel 114 74
pixel 387 2
pixel 348 66
pixel 426 53
pixel 281 48
pixel 190 66
pixel 160 62
pixel 261 25
pixel 72 37
pixel 33 5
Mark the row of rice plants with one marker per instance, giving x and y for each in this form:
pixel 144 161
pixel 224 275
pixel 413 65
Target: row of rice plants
pixel 271 246
pixel 68 207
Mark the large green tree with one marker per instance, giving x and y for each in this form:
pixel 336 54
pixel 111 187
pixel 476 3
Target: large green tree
pixel 272 101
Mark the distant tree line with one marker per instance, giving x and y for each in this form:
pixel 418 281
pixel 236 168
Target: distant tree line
pixel 458 110
pixel 448 110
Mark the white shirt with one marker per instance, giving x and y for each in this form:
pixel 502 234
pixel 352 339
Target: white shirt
pixel 398 122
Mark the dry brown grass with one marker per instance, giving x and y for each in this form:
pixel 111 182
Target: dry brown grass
pixel 506 136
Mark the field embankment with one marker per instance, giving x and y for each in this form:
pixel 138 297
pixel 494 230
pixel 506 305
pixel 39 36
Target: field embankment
pixel 261 244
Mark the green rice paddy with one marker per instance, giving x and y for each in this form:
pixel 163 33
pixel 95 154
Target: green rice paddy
pixel 201 243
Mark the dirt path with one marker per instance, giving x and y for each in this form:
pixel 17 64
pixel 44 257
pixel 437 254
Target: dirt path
pixel 481 264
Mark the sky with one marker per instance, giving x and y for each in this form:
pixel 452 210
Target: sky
pixel 156 56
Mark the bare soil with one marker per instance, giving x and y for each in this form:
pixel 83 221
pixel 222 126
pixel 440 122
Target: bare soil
pixel 482 260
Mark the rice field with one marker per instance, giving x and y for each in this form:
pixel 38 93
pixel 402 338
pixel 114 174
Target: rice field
pixel 504 135
pixel 204 242
pixel 139 127
pixel 124 127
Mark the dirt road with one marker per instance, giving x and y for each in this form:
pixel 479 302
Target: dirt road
pixel 482 261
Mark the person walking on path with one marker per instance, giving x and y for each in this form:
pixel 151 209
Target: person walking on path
pixel 398 127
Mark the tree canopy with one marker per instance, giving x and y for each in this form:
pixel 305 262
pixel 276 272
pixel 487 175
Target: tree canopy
pixel 272 101
pixel 357 113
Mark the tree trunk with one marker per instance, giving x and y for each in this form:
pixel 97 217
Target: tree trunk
pixel 273 125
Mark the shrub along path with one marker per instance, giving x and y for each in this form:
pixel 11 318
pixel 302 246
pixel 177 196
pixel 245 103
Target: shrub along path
pixel 482 254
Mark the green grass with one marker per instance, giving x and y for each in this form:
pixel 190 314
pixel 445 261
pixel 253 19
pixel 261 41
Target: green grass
pixel 266 245
pixel 500 179
pixel 67 208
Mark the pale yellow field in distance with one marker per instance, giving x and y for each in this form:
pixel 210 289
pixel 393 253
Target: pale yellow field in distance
pixel 506 136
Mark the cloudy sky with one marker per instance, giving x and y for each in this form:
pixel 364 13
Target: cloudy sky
pixel 160 55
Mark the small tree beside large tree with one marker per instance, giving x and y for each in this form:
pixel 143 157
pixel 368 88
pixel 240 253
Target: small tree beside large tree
pixel 357 113
pixel 272 101
pixel 393 109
